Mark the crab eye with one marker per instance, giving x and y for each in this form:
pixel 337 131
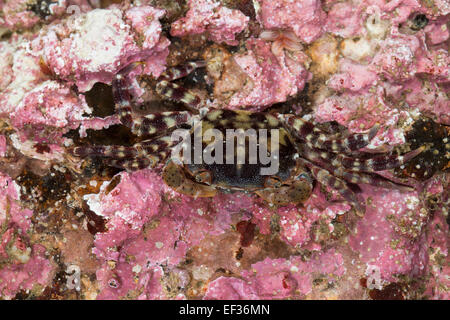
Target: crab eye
pixel 304 176
pixel 203 176
pixel 272 182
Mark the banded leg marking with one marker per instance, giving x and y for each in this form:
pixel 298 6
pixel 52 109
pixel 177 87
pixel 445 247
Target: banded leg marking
pixel 113 151
pixel 177 93
pixel 317 138
pixel 178 72
pixel 373 164
pixel 159 122
pixel 133 164
pixel 327 179
pixel 372 179
pixel 122 95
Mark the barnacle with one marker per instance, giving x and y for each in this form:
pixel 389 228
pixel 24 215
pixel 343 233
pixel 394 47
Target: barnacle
pixel 282 40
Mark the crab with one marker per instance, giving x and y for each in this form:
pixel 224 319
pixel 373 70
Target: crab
pixel 306 154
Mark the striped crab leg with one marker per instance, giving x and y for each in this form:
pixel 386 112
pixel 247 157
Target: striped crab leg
pixel 354 177
pixel 147 153
pixel 175 92
pixel 122 96
pixel 316 138
pixel 325 178
pixel 372 164
pixel 149 124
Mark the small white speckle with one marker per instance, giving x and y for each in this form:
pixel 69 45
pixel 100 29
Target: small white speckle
pixel 137 268
pixel 159 245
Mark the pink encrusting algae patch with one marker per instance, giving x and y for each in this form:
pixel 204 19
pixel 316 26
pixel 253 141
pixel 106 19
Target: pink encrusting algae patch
pixel 92 49
pixel 357 63
pixel 305 18
pixel 24 265
pixel 278 278
pixel 2 146
pixel 220 23
pixel 273 78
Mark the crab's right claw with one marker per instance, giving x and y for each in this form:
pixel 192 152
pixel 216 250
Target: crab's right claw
pixel 297 192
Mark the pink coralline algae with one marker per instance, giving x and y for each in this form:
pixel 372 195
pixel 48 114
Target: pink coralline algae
pixel 344 19
pixel 94 48
pixel 85 49
pixel 24 265
pixel 358 63
pixel 25 14
pixel 21 14
pixel 386 238
pixel 305 17
pixel 278 278
pixel 352 76
pixel 138 219
pixel 207 16
pixel 296 225
pixel 58 107
pixel 358 112
pixel 2 146
pixel 272 78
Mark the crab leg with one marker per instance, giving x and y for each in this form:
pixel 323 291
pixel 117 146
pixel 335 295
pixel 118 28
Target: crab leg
pixel 377 163
pixel 175 92
pixel 112 151
pixel 371 179
pixel 159 122
pixel 372 164
pixel 149 124
pixel 132 164
pixel 357 177
pixel 317 138
pixel 178 72
pixel 156 150
pixel 122 96
pixel 327 179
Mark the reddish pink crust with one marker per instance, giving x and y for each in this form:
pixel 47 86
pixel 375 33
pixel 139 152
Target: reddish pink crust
pixel 344 19
pixel 152 232
pixel 2 145
pixel 273 78
pixel 94 49
pixel 305 17
pixel 26 265
pixel 392 238
pixel 21 14
pixel 219 23
pixel 278 278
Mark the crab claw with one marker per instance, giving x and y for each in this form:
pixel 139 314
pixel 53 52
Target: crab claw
pixel 297 192
pixel 175 177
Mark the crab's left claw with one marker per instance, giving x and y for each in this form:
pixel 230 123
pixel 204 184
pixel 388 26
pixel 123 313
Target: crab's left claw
pixel 297 192
pixel 175 177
